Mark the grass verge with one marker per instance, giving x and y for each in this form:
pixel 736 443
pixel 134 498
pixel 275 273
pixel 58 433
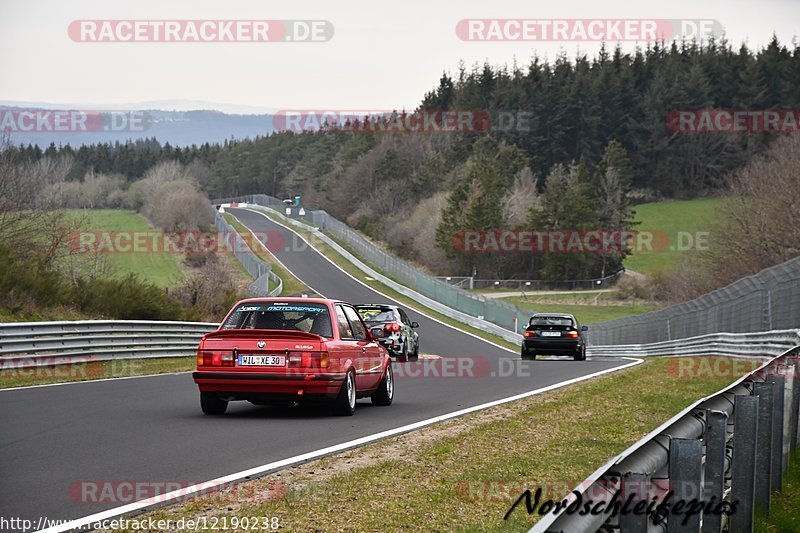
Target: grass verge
pixel 597 310
pixel 351 269
pixel 784 516
pixel 671 218
pixel 464 474
pixel 22 377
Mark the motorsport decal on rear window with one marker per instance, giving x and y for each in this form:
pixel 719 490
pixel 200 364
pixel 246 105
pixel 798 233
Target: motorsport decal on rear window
pixel 248 308
pixel 297 308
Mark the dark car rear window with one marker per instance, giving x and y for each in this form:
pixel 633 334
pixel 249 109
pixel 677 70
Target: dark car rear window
pixel 551 321
pixel 310 317
pixel 376 314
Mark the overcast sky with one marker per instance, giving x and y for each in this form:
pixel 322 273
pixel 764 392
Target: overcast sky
pixel 383 55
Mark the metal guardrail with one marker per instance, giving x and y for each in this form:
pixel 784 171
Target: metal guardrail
pixel 733 446
pixel 766 343
pixel 260 271
pixel 503 315
pixel 42 344
pixel 764 301
pixel 543 284
pixel 476 322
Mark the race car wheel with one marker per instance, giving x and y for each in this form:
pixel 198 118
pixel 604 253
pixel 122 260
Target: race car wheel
pixel 211 405
pixel 385 393
pixel 402 354
pixel 526 355
pixel 581 355
pixel 345 403
pixel 414 356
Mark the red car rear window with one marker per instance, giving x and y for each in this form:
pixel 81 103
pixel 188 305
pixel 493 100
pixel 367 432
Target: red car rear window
pixel 311 318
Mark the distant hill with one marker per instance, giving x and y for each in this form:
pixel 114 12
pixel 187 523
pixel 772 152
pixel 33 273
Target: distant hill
pixel 178 128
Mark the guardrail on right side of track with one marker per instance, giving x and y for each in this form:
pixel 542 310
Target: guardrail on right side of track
pixel 764 301
pixel 759 343
pixel 733 446
pixel 455 314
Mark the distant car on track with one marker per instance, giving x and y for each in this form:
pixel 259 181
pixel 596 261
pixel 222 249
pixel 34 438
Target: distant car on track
pixel 284 350
pixel 554 334
pixel 398 334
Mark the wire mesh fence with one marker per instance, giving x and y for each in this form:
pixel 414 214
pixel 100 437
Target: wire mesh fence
pixel 765 301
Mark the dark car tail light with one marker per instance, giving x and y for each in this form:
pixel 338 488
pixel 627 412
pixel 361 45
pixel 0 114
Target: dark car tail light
pixel 392 326
pixel 529 333
pixel 572 334
pixel 307 359
pixel 214 358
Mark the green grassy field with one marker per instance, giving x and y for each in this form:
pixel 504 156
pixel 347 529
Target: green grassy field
pixel 667 220
pixel 161 269
pixel 587 308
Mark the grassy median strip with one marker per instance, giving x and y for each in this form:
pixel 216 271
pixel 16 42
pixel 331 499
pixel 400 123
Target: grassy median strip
pixel 464 474
pixel 23 377
pixel 354 271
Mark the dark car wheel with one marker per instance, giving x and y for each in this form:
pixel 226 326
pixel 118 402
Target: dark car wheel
pixel 385 393
pixel 402 355
pixel 211 405
pixel 526 355
pixel 345 403
pixel 581 355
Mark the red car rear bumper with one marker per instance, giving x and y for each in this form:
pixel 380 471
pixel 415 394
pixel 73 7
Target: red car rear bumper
pixel 288 385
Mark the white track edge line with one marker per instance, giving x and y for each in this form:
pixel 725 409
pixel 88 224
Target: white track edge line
pixel 100 380
pixel 181 493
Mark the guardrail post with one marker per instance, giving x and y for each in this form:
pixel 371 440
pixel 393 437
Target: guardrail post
pixel 786 370
pixel 638 486
pixel 743 466
pixel 685 472
pixel 715 438
pixel 765 392
pixel 794 421
pixel 777 430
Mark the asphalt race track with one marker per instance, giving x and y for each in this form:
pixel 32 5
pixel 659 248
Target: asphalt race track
pixel 151 429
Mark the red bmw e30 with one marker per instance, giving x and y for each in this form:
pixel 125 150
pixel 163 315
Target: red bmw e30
pixel 280 350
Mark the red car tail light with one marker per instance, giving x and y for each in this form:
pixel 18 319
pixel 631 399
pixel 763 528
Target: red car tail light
pixel 212 358
pixel 392 327
pixel 572 334
pixel 308 359
pixel 528 333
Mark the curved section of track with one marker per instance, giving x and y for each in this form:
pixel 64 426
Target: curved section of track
pixel 150 429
